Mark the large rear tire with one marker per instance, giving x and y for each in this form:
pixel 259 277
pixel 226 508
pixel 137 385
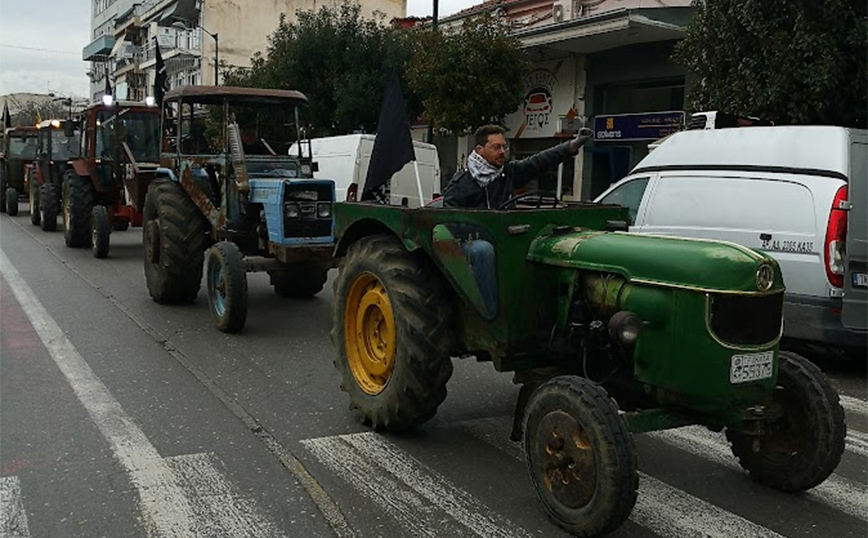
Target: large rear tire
pixel 300 281
pixel 77 202
pixel 580 456
pixel 48 207
pixel 100 231
pixel 175 239
pixel 33 200
pixel 11 201
pixel 226 281
pixel 392 328
pixel 805 446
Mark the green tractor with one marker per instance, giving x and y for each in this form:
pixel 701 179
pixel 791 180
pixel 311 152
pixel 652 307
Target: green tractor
pixel 609 334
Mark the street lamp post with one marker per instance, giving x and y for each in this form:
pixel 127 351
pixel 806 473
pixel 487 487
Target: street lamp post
pixel 181 26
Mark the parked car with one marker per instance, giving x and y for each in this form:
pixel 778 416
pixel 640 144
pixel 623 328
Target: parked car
pixel 798 193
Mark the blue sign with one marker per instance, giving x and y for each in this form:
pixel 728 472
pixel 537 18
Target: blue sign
pixel 628 127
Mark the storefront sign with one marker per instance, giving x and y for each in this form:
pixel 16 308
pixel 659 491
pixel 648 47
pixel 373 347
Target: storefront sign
pixel 627 127
pixel 548 96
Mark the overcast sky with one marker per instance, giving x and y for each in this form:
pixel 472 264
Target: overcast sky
pixel 41 42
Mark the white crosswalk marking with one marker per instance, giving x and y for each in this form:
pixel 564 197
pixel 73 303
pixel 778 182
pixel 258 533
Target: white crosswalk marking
pixel 857 442
pixel 836 492
pixel 423 501
pixel 854 405
pixel 204 507
pixel 13 518
pixel 217 508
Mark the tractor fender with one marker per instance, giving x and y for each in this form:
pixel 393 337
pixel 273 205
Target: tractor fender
pixel 80 167
pixel 363 228
pixel 166 172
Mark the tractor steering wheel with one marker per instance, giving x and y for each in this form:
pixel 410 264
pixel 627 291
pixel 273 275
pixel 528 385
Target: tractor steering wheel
pixel 540 199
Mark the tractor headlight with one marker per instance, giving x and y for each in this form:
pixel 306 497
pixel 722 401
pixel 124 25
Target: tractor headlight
pixel 625 327
pixel 306 171
pixel 324 210
pixel 292 210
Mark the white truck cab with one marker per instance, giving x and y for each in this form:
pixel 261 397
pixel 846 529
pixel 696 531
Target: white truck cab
pixel 798 193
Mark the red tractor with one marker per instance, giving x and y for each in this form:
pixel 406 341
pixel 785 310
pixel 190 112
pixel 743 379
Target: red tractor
pixel 57 141
pixel 105 186
pixel 18 151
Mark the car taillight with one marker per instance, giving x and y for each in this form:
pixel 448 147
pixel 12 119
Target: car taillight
pixel 836 239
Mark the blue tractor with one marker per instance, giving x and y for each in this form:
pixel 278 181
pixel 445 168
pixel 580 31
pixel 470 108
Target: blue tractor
pixel 230 197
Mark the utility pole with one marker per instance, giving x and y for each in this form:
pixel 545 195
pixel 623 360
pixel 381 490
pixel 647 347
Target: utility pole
pixel 434 23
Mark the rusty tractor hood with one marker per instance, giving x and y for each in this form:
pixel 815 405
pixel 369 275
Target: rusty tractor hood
pixel 703 265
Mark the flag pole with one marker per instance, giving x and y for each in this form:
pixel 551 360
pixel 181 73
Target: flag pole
pixel 418 183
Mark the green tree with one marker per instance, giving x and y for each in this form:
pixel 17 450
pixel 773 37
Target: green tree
pixel 340 60
pixel 469 77
pixel 789 61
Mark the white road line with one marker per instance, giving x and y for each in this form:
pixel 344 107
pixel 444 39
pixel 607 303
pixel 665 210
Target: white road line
pixel 164 506
pixel 13 518
pixel 419 498
pixel 853 405
pixel 670 512
pixel 218 509
pixel 837 492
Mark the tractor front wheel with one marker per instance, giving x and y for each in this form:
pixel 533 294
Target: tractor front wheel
pixel 100 231
pixel 226 279
pixel 33 200
pixel 48 207
pixel 77 203
pixel 391 320
pixel 174 233
pixel 11 201
pixel 580 456
pixel 300 281
pixel 802 449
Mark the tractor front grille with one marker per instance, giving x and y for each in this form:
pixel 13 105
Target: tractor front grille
pixel 303 204
pixel 747 320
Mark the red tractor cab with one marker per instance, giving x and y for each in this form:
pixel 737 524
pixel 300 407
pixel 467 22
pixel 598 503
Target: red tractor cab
pixel 105 187
pixel 57 141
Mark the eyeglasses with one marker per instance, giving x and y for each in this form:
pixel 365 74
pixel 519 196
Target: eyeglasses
pixel 498 147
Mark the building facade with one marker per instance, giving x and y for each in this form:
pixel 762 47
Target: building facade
pixel 604 64
pixel 192 35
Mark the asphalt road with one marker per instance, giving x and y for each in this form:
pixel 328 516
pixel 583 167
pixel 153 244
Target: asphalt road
pixel 123 418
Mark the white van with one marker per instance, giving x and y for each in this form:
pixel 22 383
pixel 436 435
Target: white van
pixel 345 160
pixel 798 193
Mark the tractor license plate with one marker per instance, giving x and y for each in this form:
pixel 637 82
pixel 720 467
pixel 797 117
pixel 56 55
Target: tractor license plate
pixel 860 280
pixel 751 367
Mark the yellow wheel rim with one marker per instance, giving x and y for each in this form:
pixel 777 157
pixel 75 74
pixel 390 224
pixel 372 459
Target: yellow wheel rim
pixel 369 333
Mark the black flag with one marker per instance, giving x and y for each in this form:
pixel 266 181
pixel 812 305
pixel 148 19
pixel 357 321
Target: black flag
pixel 7 119
pixel 161 78
pixel 393 147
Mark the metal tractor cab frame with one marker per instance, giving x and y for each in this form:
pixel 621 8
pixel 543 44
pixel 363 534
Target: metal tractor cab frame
pixel 16 155
pixel 227 179
pixel 608 333
pixel 58 141
pixel 104 188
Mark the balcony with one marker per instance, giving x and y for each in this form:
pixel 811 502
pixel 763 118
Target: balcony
pixel 98 49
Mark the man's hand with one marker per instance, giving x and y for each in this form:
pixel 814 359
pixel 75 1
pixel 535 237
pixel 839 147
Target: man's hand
pixel 584 135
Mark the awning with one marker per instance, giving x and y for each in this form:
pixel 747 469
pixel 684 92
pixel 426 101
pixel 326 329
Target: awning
pixel 608 30
pixel 183 10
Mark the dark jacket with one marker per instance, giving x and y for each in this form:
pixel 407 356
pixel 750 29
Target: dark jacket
pixel 464 191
